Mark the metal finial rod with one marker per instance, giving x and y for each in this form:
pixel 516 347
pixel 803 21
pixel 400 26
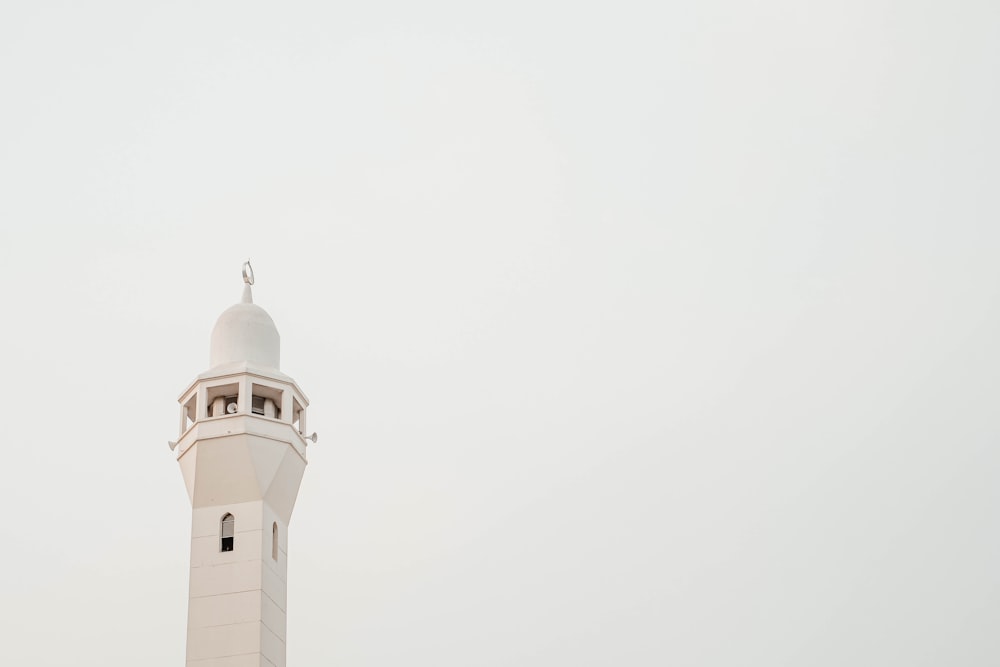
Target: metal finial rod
pixel 247 273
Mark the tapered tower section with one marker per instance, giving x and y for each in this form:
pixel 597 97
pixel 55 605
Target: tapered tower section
pixel 242 452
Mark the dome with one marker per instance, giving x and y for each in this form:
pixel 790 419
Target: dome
pixel 245 332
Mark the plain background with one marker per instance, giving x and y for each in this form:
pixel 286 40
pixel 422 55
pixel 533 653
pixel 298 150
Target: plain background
pixel 636 333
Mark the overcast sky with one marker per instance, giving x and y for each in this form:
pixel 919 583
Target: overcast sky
pixel 636 334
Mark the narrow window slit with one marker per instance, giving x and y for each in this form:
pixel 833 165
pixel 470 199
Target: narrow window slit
pixel 228 529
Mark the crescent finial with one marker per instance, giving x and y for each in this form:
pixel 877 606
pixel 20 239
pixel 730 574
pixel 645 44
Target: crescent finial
pixel 247 273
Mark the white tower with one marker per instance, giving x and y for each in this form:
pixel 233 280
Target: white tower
pixel 242 452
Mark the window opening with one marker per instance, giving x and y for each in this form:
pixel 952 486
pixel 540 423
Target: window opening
pixel 298 416
pixel 265 401
pixel 228 526
pixel 223 399
pixel 189 413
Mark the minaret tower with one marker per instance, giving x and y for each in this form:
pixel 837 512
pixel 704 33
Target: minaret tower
pixel 242 451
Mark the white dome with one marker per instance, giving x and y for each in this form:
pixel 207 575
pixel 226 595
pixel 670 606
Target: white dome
pixel 245 332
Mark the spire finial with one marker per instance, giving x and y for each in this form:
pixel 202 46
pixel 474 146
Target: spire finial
pixel 248 280
pixel 247 273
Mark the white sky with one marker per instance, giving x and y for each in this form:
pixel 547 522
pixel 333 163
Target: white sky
pixel 637 334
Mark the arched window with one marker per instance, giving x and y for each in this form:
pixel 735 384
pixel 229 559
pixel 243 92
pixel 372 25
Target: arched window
pixel 228 528
pixel 274 541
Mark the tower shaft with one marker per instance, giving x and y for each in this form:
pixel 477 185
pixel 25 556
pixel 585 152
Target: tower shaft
pixel 243 486
pixel 236 609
